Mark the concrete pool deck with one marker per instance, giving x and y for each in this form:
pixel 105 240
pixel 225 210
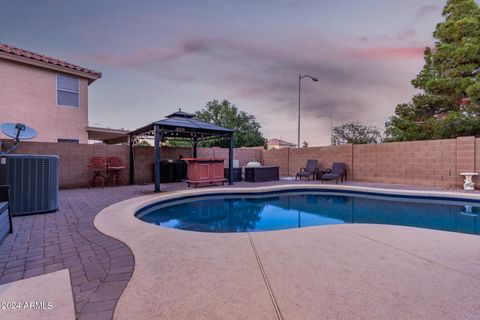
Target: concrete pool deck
pixel 44 297
pixel 328 272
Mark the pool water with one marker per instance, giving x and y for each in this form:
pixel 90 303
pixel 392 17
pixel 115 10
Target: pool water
pixel 253 212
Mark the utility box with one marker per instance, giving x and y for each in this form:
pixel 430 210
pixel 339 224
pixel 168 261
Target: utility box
pixel 33 181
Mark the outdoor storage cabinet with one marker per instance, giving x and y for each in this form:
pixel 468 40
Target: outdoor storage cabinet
pixel 237 174
pixel 204 171
pixel 33 181
pixel 262 174
pixel 171 171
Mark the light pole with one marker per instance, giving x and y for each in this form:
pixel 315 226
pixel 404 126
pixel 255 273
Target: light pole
pixel 300 77
pixel 331 125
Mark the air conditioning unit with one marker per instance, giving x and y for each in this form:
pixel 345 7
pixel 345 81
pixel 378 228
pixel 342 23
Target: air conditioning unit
pixel 33 181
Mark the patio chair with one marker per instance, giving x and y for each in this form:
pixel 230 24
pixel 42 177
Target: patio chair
pixel 114 165
pixel 338 171
pixel 311 169
pixel 98 171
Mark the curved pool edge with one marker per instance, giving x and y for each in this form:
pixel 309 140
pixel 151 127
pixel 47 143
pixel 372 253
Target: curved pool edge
pixel 153 198
pixel 119 221
pixel 125 211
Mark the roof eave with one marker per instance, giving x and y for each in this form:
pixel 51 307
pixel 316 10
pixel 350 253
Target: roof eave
pixel 89 76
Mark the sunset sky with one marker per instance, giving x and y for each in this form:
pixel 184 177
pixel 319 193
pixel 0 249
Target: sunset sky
pixel 157 56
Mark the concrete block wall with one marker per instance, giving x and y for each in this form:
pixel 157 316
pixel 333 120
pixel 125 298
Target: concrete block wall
pixel 326 156
pixel 243 155
pixel 291 160
pixel 278 157
pixel 425 163
pixel 74 159
pixel 144 158
pixel 435 163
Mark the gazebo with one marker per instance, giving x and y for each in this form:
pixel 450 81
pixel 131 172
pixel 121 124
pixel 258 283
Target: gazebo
pixel 180 126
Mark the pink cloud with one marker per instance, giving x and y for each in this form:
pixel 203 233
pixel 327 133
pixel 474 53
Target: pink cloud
pixel 387 52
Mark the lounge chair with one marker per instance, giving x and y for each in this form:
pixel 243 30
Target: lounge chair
pixel 311 169
pixel 338 171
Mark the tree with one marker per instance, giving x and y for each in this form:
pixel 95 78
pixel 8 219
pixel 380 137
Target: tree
pixel 449 104
pixel 144 143
pixel 355 133
pixel 246 129
pixel 305 144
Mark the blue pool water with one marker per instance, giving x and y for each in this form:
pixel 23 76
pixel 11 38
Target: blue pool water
pixel 285 210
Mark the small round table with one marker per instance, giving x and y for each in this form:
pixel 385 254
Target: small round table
pixel 468 184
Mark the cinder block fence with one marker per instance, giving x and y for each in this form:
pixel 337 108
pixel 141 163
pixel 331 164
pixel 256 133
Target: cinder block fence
pixel 423 163
pixel 74 159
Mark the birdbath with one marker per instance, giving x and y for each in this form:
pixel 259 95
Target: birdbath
pixel 468 184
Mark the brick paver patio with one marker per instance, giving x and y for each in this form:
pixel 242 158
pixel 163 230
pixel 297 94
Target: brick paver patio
pixel 99 266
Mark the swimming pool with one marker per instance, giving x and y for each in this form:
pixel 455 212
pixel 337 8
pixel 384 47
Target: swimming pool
pixel 249 212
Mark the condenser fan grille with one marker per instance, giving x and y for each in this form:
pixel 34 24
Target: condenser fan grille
pixel 33 181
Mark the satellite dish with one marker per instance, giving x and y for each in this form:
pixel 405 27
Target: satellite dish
pixel 17 131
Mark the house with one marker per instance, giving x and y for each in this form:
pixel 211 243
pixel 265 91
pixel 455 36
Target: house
pixel 279 144
pixel 45 93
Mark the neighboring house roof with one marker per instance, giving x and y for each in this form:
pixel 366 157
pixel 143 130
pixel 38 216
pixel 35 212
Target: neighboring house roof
pixel 279 142
pixel 108 135
pixel 40 60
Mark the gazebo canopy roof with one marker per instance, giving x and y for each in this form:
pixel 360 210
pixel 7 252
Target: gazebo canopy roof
pixel 183 125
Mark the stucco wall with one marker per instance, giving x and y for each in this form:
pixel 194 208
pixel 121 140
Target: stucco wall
pixel 28 95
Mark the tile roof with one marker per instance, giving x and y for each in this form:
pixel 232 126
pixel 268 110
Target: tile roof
pixel 279 142
pixel 5 48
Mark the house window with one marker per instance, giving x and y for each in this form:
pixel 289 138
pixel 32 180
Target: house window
pixel 68 141
pixel 67 91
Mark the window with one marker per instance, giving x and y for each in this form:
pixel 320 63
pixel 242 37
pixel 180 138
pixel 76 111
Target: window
pixel 68 141
pixel 67 91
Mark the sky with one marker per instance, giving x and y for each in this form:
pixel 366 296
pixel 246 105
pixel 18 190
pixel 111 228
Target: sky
pixel 158 56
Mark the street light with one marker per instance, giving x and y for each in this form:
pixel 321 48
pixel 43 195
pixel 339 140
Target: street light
pixel 331 125
pixel 300 77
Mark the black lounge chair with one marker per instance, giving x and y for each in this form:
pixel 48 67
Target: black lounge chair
pixel 338 171
pixel 311 169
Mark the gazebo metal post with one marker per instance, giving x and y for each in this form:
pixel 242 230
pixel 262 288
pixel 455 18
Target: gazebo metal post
pixel 230 159
pixel 157 150
pixel 131 179
pixel 194 146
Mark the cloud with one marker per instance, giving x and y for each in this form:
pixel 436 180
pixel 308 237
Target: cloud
pixel 387 52
pixel 403 35
pixel 423 11
pixel 262 77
